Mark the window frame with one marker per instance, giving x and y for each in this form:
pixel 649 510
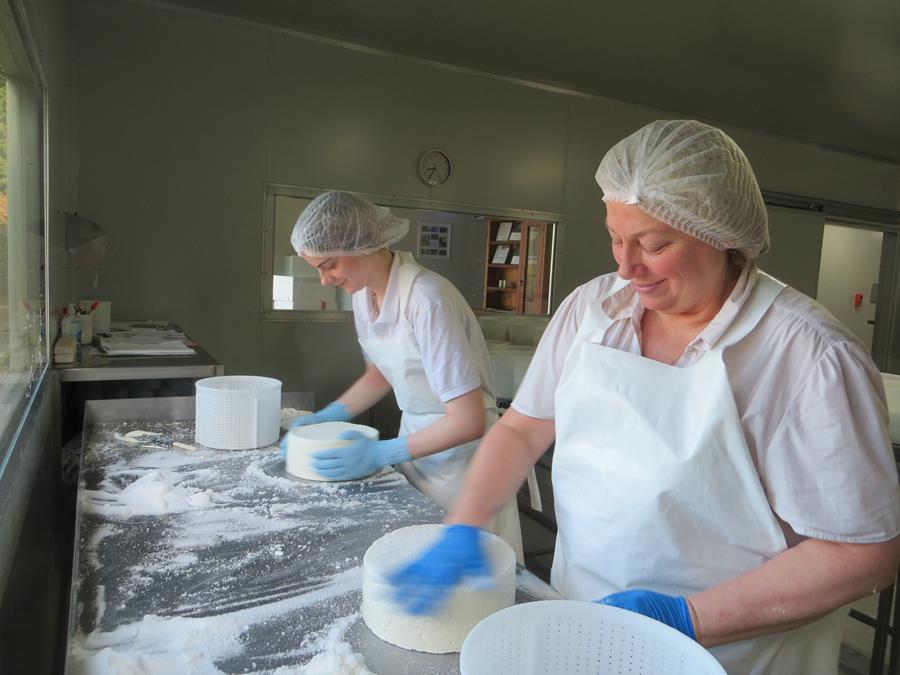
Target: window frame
pixel 18 52
pixel 273 190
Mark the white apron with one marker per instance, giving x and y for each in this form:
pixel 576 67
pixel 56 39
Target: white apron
pixel 439 476
pixel 655 488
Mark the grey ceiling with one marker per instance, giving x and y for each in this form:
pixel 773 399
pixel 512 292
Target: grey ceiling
pixel 824 71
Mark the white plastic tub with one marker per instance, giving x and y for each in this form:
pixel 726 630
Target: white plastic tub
pixel 237 412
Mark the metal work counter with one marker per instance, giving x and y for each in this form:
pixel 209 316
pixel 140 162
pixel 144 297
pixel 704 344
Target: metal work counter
pixel 210 561
pixel 93 365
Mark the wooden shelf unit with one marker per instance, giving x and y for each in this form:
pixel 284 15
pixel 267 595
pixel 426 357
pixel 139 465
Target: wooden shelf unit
pixel 520 282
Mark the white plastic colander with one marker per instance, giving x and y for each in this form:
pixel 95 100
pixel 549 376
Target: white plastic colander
pixel 237 412
pixel 566 637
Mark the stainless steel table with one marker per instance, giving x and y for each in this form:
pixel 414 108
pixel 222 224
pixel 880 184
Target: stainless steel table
pixel 217 561
pixel 93 365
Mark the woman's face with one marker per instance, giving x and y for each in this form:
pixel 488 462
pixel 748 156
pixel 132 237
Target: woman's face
pixel 349 273
pixel 672 272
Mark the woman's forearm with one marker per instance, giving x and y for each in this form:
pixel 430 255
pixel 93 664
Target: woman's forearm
pixel 500 466
pixel 794 588
pixel 464 421
pixel 370 388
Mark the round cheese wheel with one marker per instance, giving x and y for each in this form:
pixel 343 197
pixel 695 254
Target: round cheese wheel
pixel 304 441
pixel 445 631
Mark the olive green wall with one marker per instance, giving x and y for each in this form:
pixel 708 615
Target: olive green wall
pixel 183 118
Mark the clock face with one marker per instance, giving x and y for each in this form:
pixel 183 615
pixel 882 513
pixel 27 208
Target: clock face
pixel 434 167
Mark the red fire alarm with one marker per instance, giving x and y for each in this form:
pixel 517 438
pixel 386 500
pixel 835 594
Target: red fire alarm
pixel 857 299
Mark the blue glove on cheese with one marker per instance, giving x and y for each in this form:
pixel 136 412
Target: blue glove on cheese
pixel 362 457
pixel 672 611
pixel 422 586
pixel 333 412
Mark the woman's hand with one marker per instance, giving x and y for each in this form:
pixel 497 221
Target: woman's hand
pixel 422 586
pixel 670 610
pixel 333 412
pixel 360 458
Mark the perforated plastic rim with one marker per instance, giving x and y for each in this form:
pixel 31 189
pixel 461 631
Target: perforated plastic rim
pixel 209 384
pixel 493 626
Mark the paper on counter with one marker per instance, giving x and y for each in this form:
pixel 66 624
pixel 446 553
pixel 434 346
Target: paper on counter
pixel 143 345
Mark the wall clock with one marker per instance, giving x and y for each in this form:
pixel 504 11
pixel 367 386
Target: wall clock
pixel 434 167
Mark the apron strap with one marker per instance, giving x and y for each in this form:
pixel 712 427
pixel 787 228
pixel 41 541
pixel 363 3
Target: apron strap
pixel 407 271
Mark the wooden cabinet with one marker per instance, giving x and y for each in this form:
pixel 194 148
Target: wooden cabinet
pixel 517 266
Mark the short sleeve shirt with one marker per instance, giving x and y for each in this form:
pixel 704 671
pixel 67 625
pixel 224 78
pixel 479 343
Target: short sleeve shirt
pixel 811 402
pixel 454 354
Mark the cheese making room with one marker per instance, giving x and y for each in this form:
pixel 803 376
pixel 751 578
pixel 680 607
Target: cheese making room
pixel 356 338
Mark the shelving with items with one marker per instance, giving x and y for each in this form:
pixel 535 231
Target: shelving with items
pixel 501 275
pixel 516 268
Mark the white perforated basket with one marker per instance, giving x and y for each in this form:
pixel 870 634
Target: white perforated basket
pixel 566 637
pixel 237 412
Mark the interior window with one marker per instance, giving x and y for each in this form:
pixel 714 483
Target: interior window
pixel 466 247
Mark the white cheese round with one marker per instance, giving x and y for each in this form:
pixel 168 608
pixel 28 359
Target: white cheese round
pixel 445 631
pixel 304 441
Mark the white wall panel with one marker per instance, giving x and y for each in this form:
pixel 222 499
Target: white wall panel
pixel 346 119
pixel 172 147
pixel 782 165
pixel 795 247
pixel 359 121
pixel 584 248
pixel 507 142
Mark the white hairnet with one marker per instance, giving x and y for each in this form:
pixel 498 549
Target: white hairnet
pixel 341 223
pixel 692 177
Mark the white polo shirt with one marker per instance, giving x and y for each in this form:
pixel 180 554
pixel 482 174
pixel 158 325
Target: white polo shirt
pixel 810 398
pixel 454 354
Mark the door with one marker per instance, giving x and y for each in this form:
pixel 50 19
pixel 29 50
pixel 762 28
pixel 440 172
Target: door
pixel 886 331
pixel 848 277
pixel 535 286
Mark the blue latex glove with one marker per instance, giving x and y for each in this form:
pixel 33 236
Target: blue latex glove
pixel 333 412
pixel 672 611
pixel 422 586
pixel 360 458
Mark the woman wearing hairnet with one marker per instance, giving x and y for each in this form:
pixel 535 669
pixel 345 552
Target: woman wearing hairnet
pixel 419 337
pixel 722 460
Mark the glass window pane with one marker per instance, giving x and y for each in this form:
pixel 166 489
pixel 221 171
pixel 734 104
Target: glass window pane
pixel 22 335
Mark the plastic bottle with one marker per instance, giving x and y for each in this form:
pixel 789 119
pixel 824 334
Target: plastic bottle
pixel 87 328
pixel 71 323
